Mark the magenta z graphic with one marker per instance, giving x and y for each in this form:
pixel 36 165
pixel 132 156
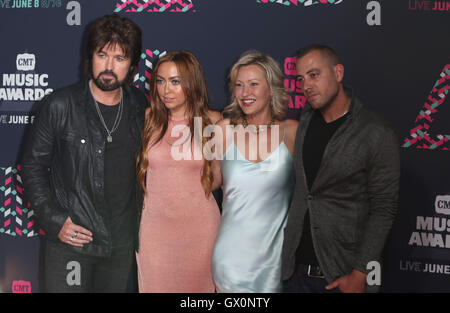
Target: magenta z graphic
pixel 154 6
pixel 421 136
pixel 305 3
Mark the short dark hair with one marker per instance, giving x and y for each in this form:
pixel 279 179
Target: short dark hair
pixel 326 51
pixel 115 30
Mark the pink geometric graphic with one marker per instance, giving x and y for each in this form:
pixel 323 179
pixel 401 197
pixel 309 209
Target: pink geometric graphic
pixel 142 78
pixel 305 3
pixel 420 136
pixel 15 218
pixel 138 6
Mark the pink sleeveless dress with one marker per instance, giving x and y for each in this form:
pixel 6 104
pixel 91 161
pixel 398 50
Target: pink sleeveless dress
pixel 178 225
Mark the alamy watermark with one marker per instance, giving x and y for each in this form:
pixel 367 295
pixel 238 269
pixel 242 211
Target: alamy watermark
pixel 73 278
pixel 374 276
pixel 187 148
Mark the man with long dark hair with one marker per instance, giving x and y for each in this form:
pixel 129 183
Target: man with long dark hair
pixel 79 166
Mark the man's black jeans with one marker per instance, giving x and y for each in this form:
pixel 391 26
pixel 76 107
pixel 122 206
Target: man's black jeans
pixel 300 282
pixel 68 271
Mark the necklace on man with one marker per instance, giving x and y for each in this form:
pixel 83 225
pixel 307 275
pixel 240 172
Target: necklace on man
pixel 118 115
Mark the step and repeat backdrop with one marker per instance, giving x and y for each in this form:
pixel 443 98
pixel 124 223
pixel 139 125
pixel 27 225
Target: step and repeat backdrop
pixel 396 56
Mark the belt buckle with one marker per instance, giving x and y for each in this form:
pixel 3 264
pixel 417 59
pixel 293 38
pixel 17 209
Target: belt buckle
pixel 312 275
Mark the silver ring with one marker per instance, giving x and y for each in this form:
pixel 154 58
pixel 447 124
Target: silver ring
pixel 71 238
pixel 76 234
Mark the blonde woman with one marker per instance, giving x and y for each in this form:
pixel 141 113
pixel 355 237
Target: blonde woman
pixel 257 183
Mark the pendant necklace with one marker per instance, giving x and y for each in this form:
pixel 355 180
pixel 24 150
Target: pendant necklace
pixel 118 115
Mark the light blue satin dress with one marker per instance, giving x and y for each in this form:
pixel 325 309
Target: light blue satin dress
pixel 256 197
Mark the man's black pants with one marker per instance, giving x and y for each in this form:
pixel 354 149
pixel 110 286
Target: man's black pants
pixel 301 282
pixel 69 271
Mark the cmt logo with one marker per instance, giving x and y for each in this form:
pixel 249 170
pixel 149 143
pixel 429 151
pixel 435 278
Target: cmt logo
pixel 138 6
pixel 290 67
pixel 25 62
pixel 442 205
pixel 149 58
pixel 21 286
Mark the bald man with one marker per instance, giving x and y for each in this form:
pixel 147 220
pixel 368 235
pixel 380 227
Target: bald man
pixel 347 175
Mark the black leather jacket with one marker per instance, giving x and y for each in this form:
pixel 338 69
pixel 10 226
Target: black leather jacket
pixel 63 164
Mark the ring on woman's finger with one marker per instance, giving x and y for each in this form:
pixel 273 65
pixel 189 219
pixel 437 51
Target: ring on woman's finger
pixel 76 234
pixel 71 238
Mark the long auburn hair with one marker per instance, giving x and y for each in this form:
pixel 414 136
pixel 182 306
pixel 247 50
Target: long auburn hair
pixel 156 122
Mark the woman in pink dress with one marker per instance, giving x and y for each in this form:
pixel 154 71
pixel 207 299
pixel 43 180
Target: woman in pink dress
pixel 180 216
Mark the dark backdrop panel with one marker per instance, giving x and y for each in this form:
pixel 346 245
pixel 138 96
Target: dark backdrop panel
pixel 393 68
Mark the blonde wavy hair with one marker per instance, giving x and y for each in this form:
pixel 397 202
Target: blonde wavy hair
pixel 156 122
pixel 275 80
